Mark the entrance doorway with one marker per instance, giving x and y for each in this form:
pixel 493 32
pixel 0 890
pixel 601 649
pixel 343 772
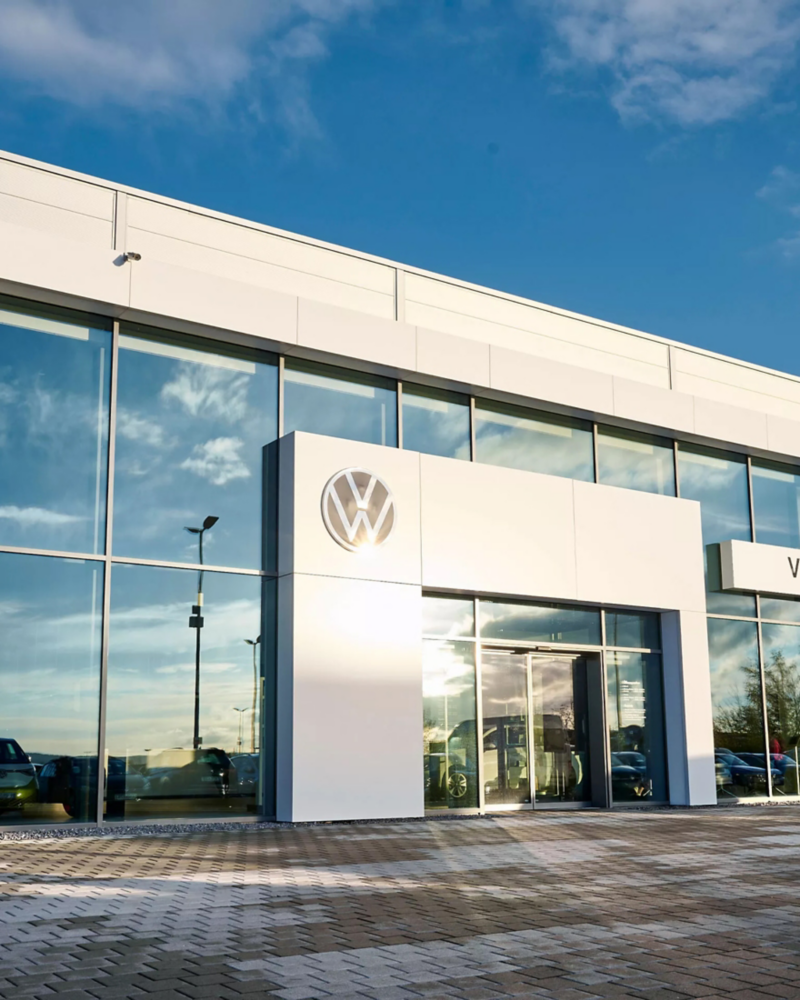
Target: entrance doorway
pixel 543 735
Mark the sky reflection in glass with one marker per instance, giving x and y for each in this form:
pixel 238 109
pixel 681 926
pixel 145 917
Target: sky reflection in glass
pixel 776 504
pixel 54 383
pixel 191 426
pixel 719 481
pixel 539 623
pixel 536 442
pixel 324 400
pixel 635 461
pixel 436 423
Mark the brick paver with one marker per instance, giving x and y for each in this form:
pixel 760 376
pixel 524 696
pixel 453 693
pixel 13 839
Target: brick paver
pixel 663 905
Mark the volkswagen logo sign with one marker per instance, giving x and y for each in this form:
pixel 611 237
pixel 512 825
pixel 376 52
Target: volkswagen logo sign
pixel 358 509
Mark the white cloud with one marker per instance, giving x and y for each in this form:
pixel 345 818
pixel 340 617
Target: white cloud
pixel 137 428
pixel 782 191
pixel 157 54
pixel 209 391
pixel 694 62
pixel 218 460
pixel 28 517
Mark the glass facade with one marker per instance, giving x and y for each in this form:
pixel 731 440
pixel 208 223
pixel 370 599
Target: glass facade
pixel 191 428
pixel 436 422
pixel 166 460
pixel 333 401
pixel 449 717
pixel 533 441
pixel 160 673
pixel 532 736
pixel 637 739
pixel 539 623
pixel 718 480
pixel 776 504
pixel 54 398
pixel 50 621
pixel 635 461
pixel 739 739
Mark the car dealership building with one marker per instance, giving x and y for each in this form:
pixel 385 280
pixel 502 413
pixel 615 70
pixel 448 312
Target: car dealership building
pixel 290 531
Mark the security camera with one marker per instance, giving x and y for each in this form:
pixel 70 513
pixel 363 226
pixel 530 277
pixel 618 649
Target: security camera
pixel 130 255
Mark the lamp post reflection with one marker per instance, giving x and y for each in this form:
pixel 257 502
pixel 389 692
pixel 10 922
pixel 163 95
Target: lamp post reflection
pixel 196 622
pixel 253 643
pixel 241 712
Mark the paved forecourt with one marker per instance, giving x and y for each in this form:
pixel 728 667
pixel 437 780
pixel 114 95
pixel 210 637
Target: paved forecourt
pixel 657 905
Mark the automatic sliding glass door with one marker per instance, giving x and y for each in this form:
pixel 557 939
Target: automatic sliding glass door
pixel 560 714
pixel 506 728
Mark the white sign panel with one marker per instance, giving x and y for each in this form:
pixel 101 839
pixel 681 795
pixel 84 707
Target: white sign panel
pixel 762 569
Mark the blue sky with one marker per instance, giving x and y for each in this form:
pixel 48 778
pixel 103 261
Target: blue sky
pixel 636 160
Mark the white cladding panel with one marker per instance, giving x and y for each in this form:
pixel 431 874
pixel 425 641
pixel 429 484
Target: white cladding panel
pixel 763 569
pixel 510 532
pixel 307 462
pixel 354 667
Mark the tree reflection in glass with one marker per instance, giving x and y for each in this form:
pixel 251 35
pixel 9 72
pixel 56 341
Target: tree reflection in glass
pixel 151 685
pixel 191 425
pixel 739 743
pixel 54 383
pixel 781 646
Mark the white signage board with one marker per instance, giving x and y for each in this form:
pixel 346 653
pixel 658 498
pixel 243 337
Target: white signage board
pixel 762 569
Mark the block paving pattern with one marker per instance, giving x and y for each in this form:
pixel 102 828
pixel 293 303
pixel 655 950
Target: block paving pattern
pixel 561 906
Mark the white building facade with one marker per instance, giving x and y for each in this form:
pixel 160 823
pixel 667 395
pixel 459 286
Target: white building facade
pixel 289 531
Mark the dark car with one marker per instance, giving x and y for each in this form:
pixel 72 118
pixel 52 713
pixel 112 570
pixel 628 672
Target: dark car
pixel 632 758
pixel 18 783
pixel 739 772
pixel 627 782
pixel 72 782
pixel 196 774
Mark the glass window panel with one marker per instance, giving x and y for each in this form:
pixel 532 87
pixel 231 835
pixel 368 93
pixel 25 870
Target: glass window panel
pixel 54 384
pixel 448 616
pixel 635 461
pixel 191 429
pixel 780 609
pixel 637 741
pixel 151 694
pixel 534 441
pixel 781 648
pixel 637 630
pixel 332 401
pixel 736 703
pixel 50 621
pixel 436 423
pixel 450 749
pixel 539 623
pixel 719 481
pixel 776 504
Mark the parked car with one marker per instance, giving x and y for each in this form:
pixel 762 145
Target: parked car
pixel 204 773
pixel 737 771
pixel 18 784
pixel 246 768
pixel 632 758
pixel 627 782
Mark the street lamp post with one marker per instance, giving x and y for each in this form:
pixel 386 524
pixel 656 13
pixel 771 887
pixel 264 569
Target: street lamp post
pixel 241 712
pixel 196 622
pixel 253 643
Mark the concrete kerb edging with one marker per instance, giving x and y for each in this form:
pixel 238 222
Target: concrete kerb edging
pixel 130 830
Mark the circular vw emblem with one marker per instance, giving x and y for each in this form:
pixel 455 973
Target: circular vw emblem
pixel 358 509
